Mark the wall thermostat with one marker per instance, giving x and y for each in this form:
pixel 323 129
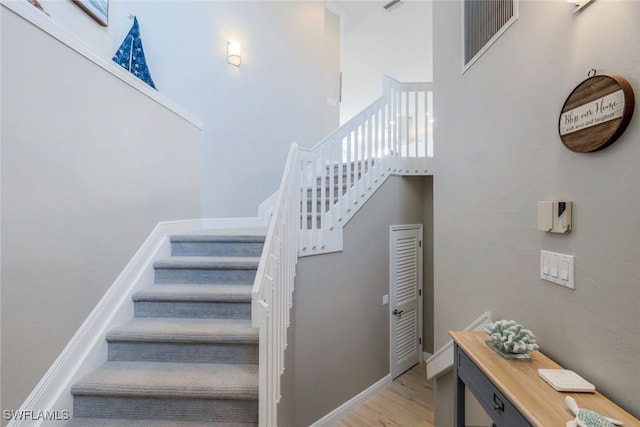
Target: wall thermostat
pixel 554 216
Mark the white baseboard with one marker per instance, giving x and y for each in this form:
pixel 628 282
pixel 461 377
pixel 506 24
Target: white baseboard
pixel 426 356
pixel 344 409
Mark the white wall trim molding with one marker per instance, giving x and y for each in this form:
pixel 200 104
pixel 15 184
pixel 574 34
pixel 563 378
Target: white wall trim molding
pixel 38 18
pixel 442 360
pixel 344 409
pixel 87 349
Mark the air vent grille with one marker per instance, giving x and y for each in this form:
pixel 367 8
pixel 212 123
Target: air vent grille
pixel 484 22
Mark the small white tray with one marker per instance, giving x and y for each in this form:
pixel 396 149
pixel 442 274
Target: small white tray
pixel 565 380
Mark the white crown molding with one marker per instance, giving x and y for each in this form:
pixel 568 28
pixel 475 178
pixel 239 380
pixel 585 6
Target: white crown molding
pixel 38 18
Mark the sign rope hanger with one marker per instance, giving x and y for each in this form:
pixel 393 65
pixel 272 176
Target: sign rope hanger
pixel 596 113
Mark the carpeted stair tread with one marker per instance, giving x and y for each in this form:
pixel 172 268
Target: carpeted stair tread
pixel 217 245
pixel 185 331
pixel 216 238
pixel 189 357
pixel 200 293
pixel 105 422
pixel 175 380
pixel 208 263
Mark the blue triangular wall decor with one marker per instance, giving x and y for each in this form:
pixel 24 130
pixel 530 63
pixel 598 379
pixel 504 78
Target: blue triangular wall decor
pixel 130 55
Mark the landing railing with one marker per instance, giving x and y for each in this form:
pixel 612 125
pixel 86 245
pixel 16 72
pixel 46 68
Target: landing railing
pixel 391 136
pixel 320 190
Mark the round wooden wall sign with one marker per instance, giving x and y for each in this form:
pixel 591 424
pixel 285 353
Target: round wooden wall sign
pixel 596 113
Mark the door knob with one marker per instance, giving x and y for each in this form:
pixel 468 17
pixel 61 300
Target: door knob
pixel 397 313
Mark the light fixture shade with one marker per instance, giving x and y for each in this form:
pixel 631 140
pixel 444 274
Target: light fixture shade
pixel 233 53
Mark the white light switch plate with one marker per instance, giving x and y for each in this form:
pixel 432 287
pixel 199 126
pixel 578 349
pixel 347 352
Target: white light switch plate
pixel 558 268
pixel 385 299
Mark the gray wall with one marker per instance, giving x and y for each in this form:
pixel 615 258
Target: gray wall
pixel 89 166
pixel 339 339
pixel 498 153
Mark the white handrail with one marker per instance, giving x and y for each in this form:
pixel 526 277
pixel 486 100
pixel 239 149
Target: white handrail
pixel 273 288
pixel 320 190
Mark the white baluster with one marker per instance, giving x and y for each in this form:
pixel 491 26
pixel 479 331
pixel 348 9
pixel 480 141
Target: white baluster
pixel 416 118
pixel 407 124
pixel 370 152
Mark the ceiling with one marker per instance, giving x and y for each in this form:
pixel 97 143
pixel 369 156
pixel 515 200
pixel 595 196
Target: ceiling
pixel 357 11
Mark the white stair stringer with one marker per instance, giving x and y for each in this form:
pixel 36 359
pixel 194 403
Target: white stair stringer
pixel 328 237
pixel 392 136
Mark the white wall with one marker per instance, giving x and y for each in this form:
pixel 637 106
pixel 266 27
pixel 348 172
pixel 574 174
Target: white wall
pixel 254 112
pixel 498 153
pixel 89 166
pixel 70 16
pixel 251 114
pixel 397 42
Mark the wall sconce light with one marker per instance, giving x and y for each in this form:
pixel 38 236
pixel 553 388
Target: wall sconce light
pixel 233 53
pixel 579 4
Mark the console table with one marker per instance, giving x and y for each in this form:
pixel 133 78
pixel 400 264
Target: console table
pixel 511 391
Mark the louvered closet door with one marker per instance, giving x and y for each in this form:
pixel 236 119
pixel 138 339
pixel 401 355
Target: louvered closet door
pixel 406 295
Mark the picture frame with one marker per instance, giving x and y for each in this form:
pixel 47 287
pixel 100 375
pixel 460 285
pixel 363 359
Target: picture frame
pixel 97 9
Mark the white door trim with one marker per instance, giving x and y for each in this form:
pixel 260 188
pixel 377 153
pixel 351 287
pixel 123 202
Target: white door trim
pixel 420 229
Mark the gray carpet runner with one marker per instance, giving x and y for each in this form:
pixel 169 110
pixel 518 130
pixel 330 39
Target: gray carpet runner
pixel 189 357
pixel 332 190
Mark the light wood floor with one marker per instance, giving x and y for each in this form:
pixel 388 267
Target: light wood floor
pixel 406 402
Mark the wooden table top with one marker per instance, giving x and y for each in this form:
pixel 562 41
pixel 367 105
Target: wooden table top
pixel 536 400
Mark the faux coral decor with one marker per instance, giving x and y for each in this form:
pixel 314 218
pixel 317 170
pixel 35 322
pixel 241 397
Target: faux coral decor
pixel 510 337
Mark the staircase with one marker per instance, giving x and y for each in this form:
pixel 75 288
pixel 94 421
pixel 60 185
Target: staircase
pixel 207 341
pixel 320 191
pixel 189 357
